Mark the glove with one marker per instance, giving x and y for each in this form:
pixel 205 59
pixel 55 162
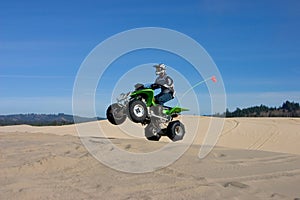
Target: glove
pixel 155 86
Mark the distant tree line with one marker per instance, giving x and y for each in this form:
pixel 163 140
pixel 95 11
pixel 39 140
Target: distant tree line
pixel 43 119
pixel 288 109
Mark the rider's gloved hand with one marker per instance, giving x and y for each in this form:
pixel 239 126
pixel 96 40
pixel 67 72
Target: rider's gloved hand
pixel 155 86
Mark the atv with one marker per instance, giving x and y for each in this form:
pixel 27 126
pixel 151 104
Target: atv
pixel 140 107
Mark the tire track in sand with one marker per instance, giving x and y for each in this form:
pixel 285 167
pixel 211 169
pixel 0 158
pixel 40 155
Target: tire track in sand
pixel 236 124
pixel 263 139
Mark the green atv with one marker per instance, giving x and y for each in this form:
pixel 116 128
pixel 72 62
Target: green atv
pixel 140 107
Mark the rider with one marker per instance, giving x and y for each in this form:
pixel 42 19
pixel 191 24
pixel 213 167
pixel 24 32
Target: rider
pixel 164 82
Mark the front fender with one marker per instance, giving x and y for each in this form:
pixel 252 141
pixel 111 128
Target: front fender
pixel 147 94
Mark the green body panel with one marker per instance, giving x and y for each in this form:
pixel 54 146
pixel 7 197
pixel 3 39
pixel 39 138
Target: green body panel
pixel 148 94
pixel 176 109
pixel 145 92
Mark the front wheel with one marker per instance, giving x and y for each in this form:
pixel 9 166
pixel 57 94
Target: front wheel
pixel 115 114
pixel 175 131
pixel 137 111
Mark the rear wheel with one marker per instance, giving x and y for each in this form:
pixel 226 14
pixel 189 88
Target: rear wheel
pixel 175 131
pixel 115 114
pixel 152 133
pixel 137 111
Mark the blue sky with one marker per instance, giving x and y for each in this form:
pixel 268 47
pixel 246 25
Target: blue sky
pixel 255 45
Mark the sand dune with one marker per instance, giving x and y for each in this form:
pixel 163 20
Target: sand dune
pixel 268 134
pixel 254 159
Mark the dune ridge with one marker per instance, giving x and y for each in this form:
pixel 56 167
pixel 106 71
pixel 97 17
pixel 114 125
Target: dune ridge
pixel 268 134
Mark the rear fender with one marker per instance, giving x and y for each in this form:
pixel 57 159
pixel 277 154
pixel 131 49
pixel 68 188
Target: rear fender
pixel 176 109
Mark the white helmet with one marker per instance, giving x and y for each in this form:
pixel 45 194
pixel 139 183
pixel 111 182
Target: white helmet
pixel 160 69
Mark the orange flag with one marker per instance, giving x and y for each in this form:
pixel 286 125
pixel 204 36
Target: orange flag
pixel 213 78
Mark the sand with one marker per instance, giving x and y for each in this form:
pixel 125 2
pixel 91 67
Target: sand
pixel 255 158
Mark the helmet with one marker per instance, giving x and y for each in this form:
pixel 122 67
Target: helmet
pixel 160 68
